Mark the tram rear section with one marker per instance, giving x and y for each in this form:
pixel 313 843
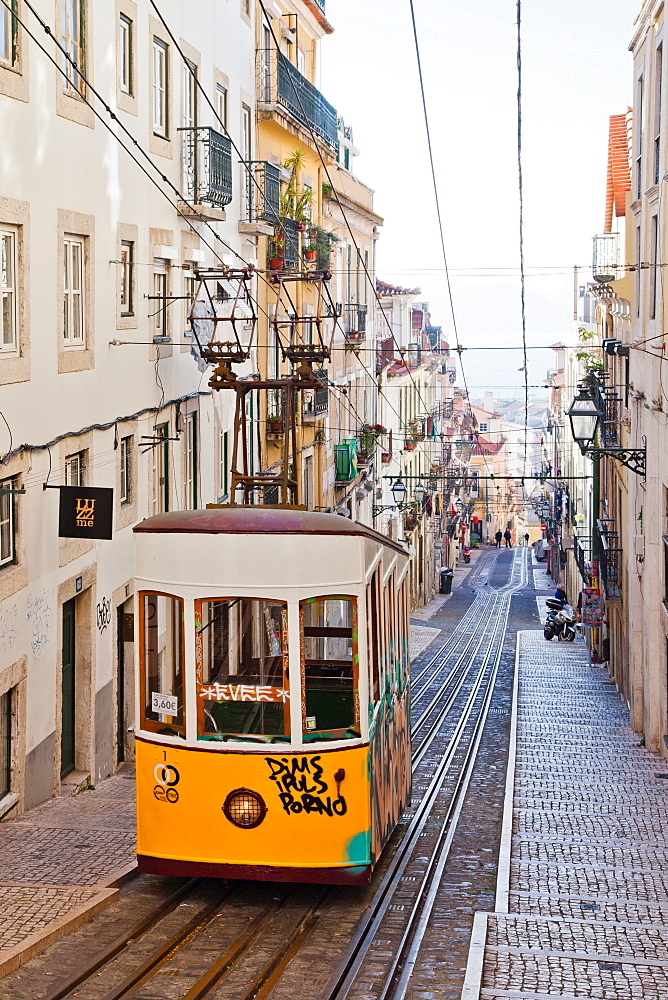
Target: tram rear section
pixel 272 695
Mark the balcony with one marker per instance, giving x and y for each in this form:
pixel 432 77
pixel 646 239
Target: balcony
pixel 611 421
pixel 276 405
pixel 316 401
pixel 353 321
pixel 606 258
pixel 282 83
pixel 262 191
pixel 207 169
pixel 611 560
pixel 582 553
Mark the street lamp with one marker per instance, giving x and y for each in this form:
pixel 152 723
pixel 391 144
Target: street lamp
pixel 399 491
pixel 585 415
pixel 420 493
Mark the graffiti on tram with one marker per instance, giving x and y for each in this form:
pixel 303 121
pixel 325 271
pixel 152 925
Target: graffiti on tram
pixel 303 789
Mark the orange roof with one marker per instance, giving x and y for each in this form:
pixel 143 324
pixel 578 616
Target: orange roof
pixel 485 447
pixel 619 174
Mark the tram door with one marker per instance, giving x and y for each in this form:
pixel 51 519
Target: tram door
pixel 124 681
pixel 68 684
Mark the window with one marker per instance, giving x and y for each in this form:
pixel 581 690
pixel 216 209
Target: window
pixel 265 65
pixel 73 304
pixel 329 628
pixel 127 278
pixel 160 502
pixel 639 136
pixel 637 271
pixel 5 743
pixel 75 469
pixel 658 84
pixel 189 290
pixel 72 40
pixel 482 427
pixel 125 54
pixel 223 464
pixel 653 260
pixel 160 83
pixel 190 456
pixel 8 33
pixel 301 61
pixel 161 652
pixel 8 329
pixel 189 94
pixel 159 301
pixel 221 105
pixel 7 523
pixel 125 491
pixel 242 669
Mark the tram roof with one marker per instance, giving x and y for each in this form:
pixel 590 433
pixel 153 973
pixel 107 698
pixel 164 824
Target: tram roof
pixel 260 521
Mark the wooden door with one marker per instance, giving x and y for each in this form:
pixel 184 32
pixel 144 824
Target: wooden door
pixel 68 690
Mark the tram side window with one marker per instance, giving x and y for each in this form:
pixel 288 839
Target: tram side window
pixel 242 670
pixel 373 635
pixel 329 650
pixel 161 622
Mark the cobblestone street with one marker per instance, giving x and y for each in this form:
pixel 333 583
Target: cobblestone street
pixel 582 899
pixel 59 864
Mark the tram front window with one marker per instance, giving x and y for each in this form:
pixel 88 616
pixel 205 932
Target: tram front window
pixel 161 621
pixel 242 670
pixel 329 642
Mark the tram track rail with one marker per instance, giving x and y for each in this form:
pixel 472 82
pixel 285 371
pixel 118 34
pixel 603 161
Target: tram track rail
pixel 397 976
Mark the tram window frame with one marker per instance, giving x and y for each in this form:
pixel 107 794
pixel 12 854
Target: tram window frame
pixel 353 731
pixel 148 724
pixel 201 685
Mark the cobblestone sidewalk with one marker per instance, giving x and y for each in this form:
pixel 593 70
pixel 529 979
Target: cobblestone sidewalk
pixel 58 864
pixel 582 900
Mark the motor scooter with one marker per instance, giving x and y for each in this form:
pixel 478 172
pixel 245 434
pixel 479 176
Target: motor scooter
pixel 561 621
pixel 466 554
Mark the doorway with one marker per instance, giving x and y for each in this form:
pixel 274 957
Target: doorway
pixel 68 690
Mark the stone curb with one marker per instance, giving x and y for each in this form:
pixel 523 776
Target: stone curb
pixel 14 958
pixel 501 902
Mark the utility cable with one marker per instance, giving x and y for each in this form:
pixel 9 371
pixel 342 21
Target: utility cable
pixel 520 185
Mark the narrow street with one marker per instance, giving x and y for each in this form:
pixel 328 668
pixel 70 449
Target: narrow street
pixel 506 883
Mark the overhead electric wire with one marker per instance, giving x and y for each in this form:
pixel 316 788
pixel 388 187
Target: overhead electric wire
pixel 520 185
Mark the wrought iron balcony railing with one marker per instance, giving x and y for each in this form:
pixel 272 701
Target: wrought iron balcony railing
pixel 582 553
pixel 207 167
pixel 316 401
pixel 262 191
pixel 353 320
pixel 611 421
pixel 611 560
pixel 282 83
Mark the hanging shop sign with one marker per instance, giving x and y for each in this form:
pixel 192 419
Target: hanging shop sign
pixel 86 512
pixel 591 606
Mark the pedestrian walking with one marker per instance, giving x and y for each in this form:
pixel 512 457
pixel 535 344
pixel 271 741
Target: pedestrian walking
pixel 498 536
pixel 526 539
pixel 506 535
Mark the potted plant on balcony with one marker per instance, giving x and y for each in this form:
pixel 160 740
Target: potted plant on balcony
pixel 310 251
pixel 274 425
pixel 276 252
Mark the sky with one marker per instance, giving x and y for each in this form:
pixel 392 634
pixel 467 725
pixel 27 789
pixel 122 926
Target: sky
pixel 576 72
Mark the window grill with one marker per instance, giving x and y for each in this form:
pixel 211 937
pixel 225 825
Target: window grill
pixel 207 167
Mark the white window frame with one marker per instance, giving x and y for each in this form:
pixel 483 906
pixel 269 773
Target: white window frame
pixel 7 518
pixel 221 104
pixel 8 30
pixel 127 293
pixel 189 290
pixel 189 96
pixel 160 87
pixel 223 463
pixel 190 461
pixel 482 427
pixel 125 53
pixel 75 469
pixel 74 274
pixel 72 37
pixel 9 336
pixel 160 297
pixel 125 490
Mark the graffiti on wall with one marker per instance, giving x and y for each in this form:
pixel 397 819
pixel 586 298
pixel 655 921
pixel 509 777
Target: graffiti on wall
pixel 302 787
pixel 40 622
pixel 9 624
pixel 103 614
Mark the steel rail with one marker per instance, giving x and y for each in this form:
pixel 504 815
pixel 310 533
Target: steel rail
pixel 343 977
pixel 103 957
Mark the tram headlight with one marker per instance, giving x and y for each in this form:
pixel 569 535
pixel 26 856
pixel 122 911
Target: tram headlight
pixel 244 808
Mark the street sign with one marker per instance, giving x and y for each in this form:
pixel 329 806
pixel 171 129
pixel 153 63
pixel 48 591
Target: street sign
pixel 543 527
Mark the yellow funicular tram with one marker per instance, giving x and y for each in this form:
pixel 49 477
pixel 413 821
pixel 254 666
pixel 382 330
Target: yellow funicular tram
pixel 272 715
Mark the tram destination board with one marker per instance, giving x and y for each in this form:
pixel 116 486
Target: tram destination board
pixel 86 512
